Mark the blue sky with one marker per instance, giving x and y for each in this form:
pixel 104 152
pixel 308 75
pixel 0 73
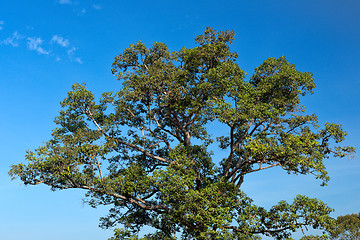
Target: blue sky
pixel 46 46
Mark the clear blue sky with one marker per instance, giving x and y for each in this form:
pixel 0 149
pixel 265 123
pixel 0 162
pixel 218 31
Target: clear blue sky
pixel 46 46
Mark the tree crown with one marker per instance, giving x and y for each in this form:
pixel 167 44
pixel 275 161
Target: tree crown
pixel 144 149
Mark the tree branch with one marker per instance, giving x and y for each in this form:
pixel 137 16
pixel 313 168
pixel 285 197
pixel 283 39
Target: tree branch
pixel 98 164
pixel 126 143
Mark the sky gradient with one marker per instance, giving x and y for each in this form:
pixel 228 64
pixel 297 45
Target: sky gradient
pixel 46 46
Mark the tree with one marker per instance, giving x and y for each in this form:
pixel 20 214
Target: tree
pixel 347 227
pixel 144 150
pixel 312 237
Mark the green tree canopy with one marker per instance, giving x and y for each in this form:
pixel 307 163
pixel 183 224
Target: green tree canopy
pixel 144 150
pixel 312 237
pixel 347 227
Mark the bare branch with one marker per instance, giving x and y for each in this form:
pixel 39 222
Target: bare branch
pixel 98 164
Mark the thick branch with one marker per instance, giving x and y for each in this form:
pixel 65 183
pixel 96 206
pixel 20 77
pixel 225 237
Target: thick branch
pixel 133 200
pixel 260 231
pixel 262 168
pixel 235 145
pixel 146 153
pixel 176 134
pixel 242 174
pixel 232 150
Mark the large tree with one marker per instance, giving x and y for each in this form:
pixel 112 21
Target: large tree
pixel 144 150
pixel 347 227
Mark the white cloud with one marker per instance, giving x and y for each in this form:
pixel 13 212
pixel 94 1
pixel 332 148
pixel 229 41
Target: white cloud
pixel 13 40
pixel 60 40
pixel 37 44
pixel 78 60
pixel 97 6
pixel 1 23
pixel 71 53
pixel 69 2
pixel 34 44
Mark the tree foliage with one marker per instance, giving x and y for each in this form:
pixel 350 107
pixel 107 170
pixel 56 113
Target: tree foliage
pixel 347 227
pixel 144 150
pixel 316 237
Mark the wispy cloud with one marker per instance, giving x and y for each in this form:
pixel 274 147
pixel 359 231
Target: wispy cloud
pixel 81 7
pixel 42 47
pixel 68 2
pixel 34 43
pixel 70 49
pixel 60 40
pixel 71 53
pixel 13 40
pixel 1 24
pixel 97 6
pixel 78 60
